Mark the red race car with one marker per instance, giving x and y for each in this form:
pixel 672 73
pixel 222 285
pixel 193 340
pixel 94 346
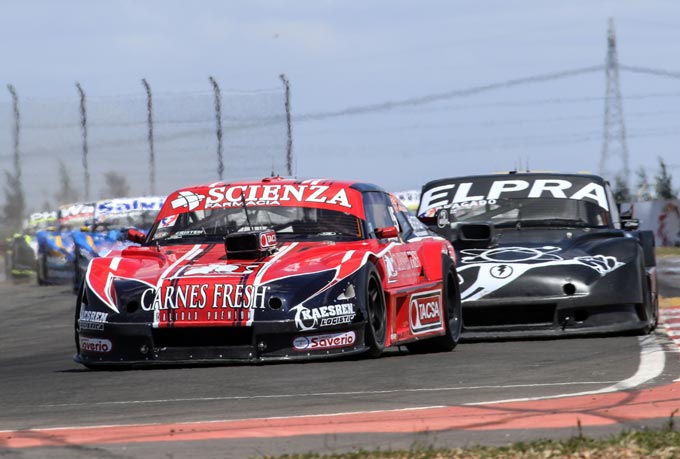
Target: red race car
pixel 276 269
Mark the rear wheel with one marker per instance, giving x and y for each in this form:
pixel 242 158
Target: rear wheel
pixel 376 320
pixel 453 319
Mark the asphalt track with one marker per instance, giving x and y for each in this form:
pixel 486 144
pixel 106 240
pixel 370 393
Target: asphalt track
pixel 482 393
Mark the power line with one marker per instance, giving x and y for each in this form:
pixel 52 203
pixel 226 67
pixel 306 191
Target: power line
pixel 436 97
pixel 650 71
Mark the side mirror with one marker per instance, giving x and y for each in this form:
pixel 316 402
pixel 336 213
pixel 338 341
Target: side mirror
pixel 630 224
pixel 137 236
pixel 387 232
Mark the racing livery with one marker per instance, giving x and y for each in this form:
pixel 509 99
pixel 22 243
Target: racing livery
pixel 544 254
pixel 108 229
pixel 56 247
pixel 276 269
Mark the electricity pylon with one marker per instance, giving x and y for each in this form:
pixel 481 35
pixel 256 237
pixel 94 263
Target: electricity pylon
pixel 614 136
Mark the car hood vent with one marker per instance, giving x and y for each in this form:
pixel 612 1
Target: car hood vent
pixel 250 244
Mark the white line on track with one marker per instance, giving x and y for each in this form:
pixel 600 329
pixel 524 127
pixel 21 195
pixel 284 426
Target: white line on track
pixel 326 394
pixel 652 363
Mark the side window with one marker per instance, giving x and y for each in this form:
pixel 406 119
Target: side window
pixel 379 214
pixel 405 229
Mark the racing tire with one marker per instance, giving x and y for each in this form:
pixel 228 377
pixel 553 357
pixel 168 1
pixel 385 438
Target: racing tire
pixel 41 271
pixel 453 318
pixel 76 328
pixel 76 272
pixel 653 307
pixel 649 307
pixel 375 333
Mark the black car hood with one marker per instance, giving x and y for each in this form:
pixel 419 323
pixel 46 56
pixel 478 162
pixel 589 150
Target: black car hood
pixel 590 253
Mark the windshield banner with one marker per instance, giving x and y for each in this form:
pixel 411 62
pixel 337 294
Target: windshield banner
pixel 473 191
pixel 129 205
pixel 315 194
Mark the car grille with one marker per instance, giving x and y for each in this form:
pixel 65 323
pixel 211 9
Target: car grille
pixel 202 336
pixel 489 316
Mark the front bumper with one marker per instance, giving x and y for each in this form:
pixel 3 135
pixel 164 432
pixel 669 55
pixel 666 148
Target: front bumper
pixel 139 344
pixel 555 302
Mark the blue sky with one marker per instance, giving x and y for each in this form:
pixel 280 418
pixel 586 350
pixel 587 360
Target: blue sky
pixel 343 54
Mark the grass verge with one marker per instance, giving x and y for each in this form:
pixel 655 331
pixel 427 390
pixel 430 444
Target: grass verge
pixel 649 444
pixel 667 251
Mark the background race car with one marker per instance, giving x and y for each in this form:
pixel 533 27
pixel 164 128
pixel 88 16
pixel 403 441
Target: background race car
pixel 544 254
pixel 22 248
pixel 271 270
pixel 108 229
pixel 55 245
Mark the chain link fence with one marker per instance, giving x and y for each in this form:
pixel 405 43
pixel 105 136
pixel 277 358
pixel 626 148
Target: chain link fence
pixel 185 139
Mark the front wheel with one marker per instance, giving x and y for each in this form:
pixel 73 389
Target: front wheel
pixel 376 320
pixel 41 271
pixel 77 277
pixel 649 309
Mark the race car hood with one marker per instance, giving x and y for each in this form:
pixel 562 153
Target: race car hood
pixel 201 280
pixel 586 255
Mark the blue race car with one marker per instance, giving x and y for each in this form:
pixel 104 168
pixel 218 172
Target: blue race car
pixel 55 244
pixel 108 229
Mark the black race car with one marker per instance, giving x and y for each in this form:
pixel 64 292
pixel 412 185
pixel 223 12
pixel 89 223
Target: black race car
pixel 544 255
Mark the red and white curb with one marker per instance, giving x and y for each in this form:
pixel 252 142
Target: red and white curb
pixel 670 320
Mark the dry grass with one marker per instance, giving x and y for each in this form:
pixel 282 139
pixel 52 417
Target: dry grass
pixel 663 444
pixel 667 251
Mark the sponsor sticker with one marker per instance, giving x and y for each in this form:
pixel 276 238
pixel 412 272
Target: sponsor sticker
pixel 92 320
pixel 187 199
pixel 268 239
pixel 202 296
pixel 328 341
pixel 425 312
pixel 462 194
pixel 335 314
pixel 220 269
pixel 98 345
pixel 272 195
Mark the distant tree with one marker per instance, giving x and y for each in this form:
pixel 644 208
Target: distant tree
pixel 664 182
pixel 15 203
pixel 115 185
pixel 643 192
pixel 621 190
pixel 66 193
pixel 46 205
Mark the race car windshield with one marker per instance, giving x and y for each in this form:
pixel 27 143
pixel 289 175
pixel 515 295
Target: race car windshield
pixel 290 224
pixel 534 212
pixel 114 221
